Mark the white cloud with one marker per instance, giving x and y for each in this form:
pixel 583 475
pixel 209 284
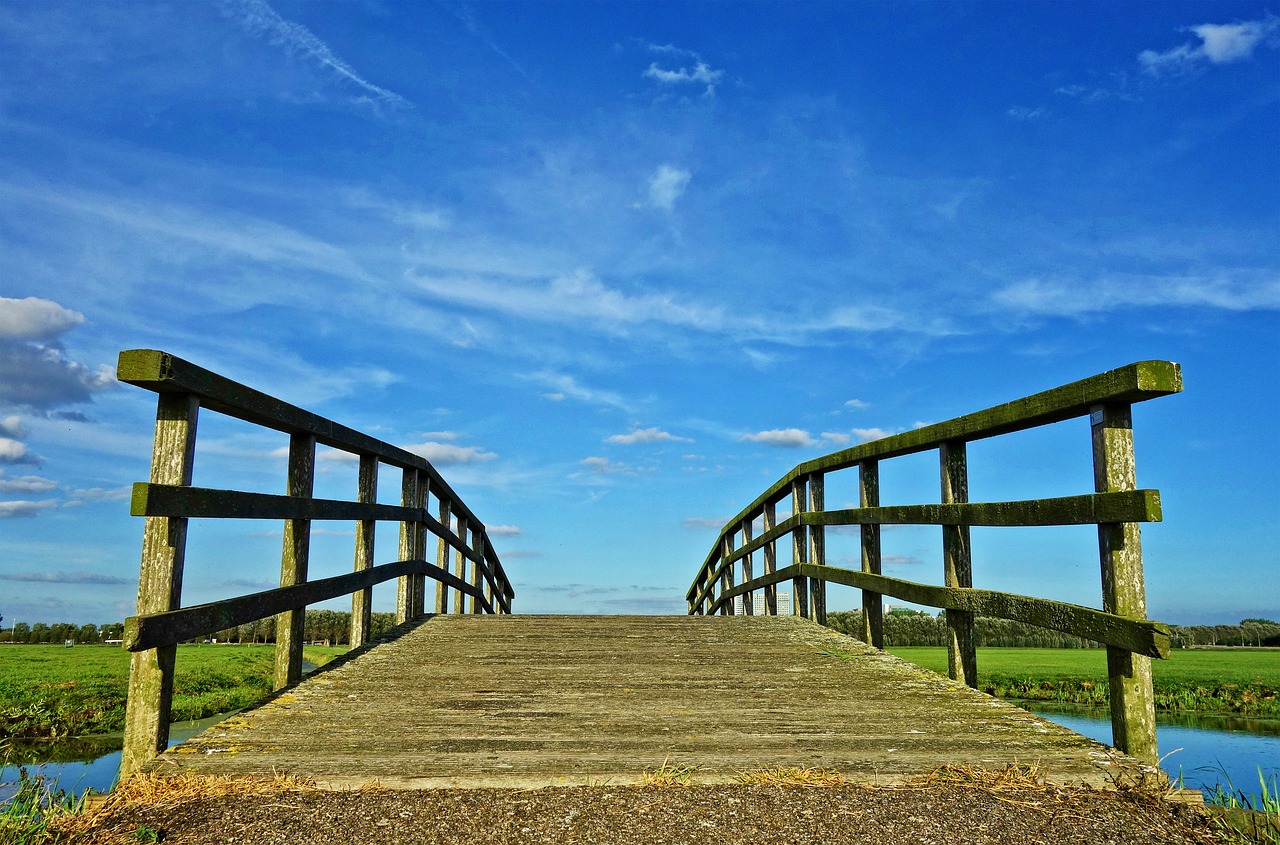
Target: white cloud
pixel 503 530
pixel 567 386
pixel 1219 44
pixel 835 437
pixel 866 435
pixel 27 484
pixel 447 454
pixel 702 523
pixel 13 427
pixel 786 438
pixel 1025 113
pixel 35 319
pixel 647 435
pixel 15 452
pixel 667 185
pixel 23 510
pixel 260 20
pixel 63 577
pixel 856 404
pixel 605 466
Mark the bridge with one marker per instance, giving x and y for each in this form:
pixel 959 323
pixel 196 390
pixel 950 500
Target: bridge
pixel 470 695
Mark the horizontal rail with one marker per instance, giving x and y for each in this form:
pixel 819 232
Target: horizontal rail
pixel 161 372
pixel 1089 509
pixel 1139 636
pixel 1135 383
pixel 175 626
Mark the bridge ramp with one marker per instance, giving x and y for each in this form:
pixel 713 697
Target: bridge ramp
pixel 529 701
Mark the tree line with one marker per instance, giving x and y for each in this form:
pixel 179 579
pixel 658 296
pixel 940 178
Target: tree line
pixel 905 627
pixel 332 627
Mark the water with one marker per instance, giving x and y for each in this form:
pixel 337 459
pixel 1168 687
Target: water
pixel 1205 750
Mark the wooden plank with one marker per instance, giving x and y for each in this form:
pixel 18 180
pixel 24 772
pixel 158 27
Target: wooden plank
pixel 294 559
pixel 1086 509
pixel 799 549
pixel 957 565
pixel 161 372
pixel 460 566
pixel 1137 382
pixel 362 600
pixel 1136 635
pixel 872 602
pixel 748 599
pixel 153 630
pixel 1133 715
pixel 442 559
pixel 164 541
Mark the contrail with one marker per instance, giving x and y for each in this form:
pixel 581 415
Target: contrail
pixel 262 21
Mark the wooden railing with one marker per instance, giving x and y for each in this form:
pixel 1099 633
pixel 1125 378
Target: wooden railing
pixel 465 561
pixel 1116 507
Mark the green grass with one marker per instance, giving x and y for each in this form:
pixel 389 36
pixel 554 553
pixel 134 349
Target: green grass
pixel 51 691
pixel 1219 680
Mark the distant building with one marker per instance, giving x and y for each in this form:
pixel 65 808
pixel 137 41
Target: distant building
pixel 757 604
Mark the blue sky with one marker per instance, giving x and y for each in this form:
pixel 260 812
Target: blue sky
pixel 616 268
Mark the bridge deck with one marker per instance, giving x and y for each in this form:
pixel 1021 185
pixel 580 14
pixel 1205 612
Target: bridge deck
pixel 523 701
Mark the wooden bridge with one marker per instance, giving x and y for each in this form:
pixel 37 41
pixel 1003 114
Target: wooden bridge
pixel 466 699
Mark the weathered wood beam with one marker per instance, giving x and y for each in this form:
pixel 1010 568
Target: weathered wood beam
pixel 1137 382
pixel 294 560
pixel 362 600
pixel 155 630
pixel 1140 636
pixel 161 372
pixel 957 565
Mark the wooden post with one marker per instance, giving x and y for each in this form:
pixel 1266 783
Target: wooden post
pixel 293 562
pixel 817 551
pixel 460 566
pixel 872 603
pixel 477 569
pixel 726 574
pixel 362 600
pixel 770 558
pixel 164 543
pixel 748 599
pixel 419 579
pixel 799 551
pixel 1133 717
pixel 442 559
pixel 408 549
pixel 957 562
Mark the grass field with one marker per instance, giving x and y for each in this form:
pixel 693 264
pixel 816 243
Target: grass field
pixel 51 691
pixel 1208 680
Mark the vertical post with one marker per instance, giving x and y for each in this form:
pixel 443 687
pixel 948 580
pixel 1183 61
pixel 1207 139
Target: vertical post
pixel 726 573
pixel 477 569
pixel 748 599
pixel 405 584
pixel 164 543
pixel 293 562
pixel 817 551
pixel 362 600
pixel 1133 718
pixel 872 603
pixel 770 558
pixel 799 551
pixel 460 566
pixel 957 562
pixel 442 558
pixel 419 579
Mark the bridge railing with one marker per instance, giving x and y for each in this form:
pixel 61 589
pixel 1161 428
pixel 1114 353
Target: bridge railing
pixel 1116 506
pixel 464 560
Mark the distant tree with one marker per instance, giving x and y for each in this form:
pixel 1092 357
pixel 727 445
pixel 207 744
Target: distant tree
pixel 87 634
pixel 21 633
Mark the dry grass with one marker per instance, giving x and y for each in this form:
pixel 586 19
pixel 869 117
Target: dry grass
pixel 1013 776
pixel 790 776
pixel 171 790
pixel 668 775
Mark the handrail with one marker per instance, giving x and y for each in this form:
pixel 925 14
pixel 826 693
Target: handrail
pixel 465 563
pixel 1116 506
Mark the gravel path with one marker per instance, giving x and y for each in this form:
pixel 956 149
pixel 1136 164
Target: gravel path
pixel 723 815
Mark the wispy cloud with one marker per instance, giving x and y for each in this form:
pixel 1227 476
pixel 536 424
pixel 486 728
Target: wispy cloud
pixel 1075 297
pixel 35 319
pixel 567 387
pixel 63 578
pixel 503 530
pixel 25 509
pixel 646 435
pixel 667 185
pixel 35 371
pixel 701 74
pixel 26 484
pixel 261 21
pixel 1219 44
pixel 703 523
